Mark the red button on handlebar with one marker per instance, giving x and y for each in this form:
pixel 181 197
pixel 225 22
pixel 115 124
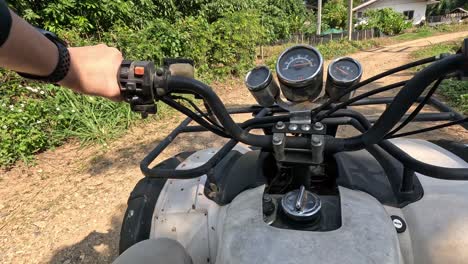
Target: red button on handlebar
pixel 140 71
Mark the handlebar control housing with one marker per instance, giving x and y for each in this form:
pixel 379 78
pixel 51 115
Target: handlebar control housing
pixel 136 86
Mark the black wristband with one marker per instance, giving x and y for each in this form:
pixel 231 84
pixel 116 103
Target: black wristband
pixel 5 22
pixel 63 64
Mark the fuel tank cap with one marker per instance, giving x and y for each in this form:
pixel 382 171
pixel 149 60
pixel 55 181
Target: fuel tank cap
pixel 301 205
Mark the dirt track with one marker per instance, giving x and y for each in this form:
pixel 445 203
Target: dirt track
pixel 68 208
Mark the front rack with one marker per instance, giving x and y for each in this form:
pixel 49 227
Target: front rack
pixel 445 113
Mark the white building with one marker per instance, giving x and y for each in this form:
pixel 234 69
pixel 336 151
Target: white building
pixel 414 10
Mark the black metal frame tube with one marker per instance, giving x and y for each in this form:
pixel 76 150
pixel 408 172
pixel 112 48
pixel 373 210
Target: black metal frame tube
pixel 195 172
pixel 403 101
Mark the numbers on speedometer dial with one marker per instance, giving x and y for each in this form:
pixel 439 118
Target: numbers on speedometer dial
pixel 298 65
pixel 300 73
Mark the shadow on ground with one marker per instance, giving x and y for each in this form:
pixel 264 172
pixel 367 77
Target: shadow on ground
pixel 96 247
pixel 134 153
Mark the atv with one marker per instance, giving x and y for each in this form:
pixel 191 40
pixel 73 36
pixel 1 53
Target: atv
pixel 295 192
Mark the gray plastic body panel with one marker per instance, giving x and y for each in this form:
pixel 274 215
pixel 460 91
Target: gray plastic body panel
pixel 437 225
pixel 367 235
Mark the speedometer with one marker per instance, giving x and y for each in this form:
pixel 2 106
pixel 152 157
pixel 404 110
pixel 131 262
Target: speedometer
pixel 300 73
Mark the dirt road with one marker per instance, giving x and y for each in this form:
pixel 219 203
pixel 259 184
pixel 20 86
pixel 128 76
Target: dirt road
pixel 68 208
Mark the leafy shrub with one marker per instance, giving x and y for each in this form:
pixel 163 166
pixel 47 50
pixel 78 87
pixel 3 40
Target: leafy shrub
pixel 335 14
pixel 235 37
pixel 386 20
pixel 84 16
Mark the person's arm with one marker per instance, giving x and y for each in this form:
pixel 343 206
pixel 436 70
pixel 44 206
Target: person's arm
pixel 93 69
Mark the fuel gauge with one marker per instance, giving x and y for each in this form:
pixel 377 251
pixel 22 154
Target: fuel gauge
pixel 342 73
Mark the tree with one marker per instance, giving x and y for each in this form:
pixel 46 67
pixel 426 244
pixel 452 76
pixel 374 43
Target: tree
pixel 445 6
pixel 334 14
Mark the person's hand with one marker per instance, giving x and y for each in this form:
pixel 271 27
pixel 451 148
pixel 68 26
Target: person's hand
pixel 93 71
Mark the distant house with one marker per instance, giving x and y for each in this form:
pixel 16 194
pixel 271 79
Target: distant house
pixel 457 15
pixel 414 10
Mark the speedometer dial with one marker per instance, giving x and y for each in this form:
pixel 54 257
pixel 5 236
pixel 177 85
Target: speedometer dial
pixel 298 65
pixel 300 70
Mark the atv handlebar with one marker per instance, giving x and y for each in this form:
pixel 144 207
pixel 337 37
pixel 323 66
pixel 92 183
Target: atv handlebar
pixel 142 84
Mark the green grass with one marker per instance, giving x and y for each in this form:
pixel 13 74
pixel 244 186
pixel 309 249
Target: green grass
pixel 426 31
pixel 35 117
pixel 436 49
pixel 456 92
pixel 422 33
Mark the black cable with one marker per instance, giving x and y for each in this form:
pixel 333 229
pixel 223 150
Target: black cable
pixel 184 110
pixel 456 122
pixel 197 109
pixel 359 97
pixel 202 169
pixel 403 101
pixel 179 84
pixel 418 108
pixel 372 79
pixel 408 161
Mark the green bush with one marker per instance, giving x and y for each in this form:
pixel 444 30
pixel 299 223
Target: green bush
pixel 84 16
pixel 235 38
pixel 334 14
pixel 386 20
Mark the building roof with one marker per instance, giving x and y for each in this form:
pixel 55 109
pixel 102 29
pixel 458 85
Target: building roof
pixel 458 10
pixel 361 6
pixel 364 4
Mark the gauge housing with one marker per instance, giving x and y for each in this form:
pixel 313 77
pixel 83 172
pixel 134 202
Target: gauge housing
pixel 308 84
pixel 336 84
pixel 260 83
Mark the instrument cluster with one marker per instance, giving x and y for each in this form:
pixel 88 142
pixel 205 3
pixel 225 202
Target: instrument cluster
pixel 299 70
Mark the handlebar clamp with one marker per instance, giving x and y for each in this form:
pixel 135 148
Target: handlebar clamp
pixel 136 86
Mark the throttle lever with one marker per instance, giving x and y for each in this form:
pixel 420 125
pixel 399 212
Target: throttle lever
pixel 136 86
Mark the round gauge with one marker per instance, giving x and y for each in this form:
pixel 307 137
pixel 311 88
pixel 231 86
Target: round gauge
pixel 300 73
pixel 258 78
pixel 299 64
pixel 345 70
pixel 260 83
pixel 342 73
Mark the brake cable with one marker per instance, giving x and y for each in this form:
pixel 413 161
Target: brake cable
pixel 418 108
pixel 203 114
pixel 372 79
pixel 359 97
pixel 456 122
pixel 184 110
